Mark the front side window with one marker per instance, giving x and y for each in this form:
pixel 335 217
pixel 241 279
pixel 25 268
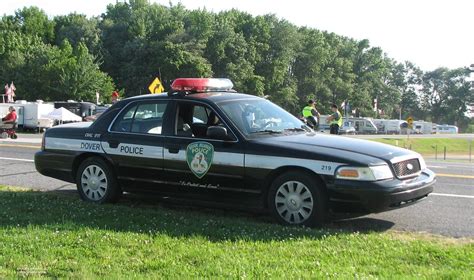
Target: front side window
pixel 145 118
pixel 193 120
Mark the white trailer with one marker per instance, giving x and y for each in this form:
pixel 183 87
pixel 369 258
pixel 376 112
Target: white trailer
pixel 30 115
pixel 447 129
pixel 422 127
pixel 380 124
pixel 390 126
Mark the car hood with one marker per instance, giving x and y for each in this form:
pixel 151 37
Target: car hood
pixel 308 141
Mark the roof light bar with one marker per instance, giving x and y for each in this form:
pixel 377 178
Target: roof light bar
pixel 202 84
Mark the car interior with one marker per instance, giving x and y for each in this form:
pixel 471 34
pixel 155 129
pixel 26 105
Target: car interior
pixel 193 120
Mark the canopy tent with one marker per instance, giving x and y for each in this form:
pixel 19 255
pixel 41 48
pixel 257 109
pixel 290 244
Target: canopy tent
pixel 63 115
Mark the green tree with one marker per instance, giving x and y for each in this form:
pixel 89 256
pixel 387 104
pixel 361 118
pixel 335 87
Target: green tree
pixel 77 28
pixel 33 21
pixel 446 94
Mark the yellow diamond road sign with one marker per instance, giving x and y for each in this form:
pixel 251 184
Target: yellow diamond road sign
pixel 156 86
pixel 410 122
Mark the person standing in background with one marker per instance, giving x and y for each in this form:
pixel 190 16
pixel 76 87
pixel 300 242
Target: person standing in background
pixel 335 120
pixel 311 114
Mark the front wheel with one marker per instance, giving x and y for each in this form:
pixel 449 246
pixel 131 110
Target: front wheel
pixel 96 182
pixel 296 198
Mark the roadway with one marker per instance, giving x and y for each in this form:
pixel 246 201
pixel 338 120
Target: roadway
pixel 448 211
pixel 467 136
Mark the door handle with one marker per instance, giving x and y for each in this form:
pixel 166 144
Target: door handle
pixel 113 143
pixel 173 149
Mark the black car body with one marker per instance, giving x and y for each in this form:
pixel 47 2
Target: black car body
pixel 210 146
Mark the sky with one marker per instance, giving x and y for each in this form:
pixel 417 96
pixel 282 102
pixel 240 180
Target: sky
pixel 431 34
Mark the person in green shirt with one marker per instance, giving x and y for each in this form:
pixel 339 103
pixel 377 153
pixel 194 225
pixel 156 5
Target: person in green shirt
pixel 311 114
pixel 335 120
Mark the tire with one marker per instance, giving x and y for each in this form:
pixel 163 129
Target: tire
pixel 14 136
pixel 4 135
pixel 296 198
pixel 96 182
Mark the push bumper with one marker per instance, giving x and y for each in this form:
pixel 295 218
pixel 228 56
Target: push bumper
pixel 383 195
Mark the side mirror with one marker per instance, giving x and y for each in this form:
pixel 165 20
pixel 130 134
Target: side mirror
pixel 217 132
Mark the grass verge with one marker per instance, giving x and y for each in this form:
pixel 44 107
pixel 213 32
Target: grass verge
pixel 427 146
pixel 54 235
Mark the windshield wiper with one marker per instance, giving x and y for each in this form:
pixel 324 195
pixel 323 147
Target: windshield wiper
pixel 295 129
pixel 267 131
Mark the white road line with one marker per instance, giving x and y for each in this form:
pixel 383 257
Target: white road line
pixel 452 195
pixel 434 166
pixel 456 185
pixel 17 159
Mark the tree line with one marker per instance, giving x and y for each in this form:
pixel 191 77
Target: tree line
pixel 73 57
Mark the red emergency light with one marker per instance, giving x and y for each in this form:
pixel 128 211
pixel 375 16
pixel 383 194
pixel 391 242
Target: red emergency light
pixel 201 84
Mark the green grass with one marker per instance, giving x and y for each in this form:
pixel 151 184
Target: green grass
pixel 426 146
pixel 55 235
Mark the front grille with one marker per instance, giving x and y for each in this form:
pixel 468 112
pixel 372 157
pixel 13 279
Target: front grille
pixel 407 168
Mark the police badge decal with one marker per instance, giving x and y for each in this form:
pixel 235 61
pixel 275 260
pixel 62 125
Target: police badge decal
pixel 199 156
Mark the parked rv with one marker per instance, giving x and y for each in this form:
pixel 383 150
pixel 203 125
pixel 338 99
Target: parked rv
pixel 422 127
pixel 447 129
pixel 364 125
pixel 389 126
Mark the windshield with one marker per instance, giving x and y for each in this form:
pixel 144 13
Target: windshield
pixel 256 116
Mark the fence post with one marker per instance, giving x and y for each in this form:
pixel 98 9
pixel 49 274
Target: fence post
pixel 436 152
pixel 444 152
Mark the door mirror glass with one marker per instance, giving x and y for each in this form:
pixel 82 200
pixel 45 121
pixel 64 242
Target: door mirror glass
pixel 217 132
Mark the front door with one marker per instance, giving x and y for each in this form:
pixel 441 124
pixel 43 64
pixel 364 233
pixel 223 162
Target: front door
pixel 194 162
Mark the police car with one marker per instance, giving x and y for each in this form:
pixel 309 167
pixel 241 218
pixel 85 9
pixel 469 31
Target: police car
pixel 205 142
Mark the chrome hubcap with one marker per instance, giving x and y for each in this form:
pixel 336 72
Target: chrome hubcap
pixel 94 182
pixel 294 202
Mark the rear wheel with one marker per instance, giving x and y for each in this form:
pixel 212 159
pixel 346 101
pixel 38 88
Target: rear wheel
pixel 4 135
pixel 296 198
pixel 14 136
pixel 96 182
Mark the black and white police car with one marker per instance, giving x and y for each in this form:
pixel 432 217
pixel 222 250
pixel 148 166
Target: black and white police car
pixel 204 141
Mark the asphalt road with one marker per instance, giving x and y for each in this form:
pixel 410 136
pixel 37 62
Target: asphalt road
pixel 467 136
pixel 448 211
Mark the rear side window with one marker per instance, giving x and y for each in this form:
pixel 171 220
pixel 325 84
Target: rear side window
pixel 144 118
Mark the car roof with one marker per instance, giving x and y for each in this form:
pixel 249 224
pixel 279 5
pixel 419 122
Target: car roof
pixel 214 97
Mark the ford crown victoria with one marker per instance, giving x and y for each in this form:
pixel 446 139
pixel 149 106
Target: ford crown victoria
pixel 204 141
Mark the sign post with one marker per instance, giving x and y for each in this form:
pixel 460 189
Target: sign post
pixel 410 126
pixel 156 86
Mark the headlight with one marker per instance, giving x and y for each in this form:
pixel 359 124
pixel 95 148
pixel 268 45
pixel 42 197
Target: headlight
pixel 372 173
pixel 422 163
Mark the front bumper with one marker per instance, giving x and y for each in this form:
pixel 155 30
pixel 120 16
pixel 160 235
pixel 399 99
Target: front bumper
pixel 382 195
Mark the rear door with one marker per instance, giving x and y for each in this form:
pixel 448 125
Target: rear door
pixel 134 143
